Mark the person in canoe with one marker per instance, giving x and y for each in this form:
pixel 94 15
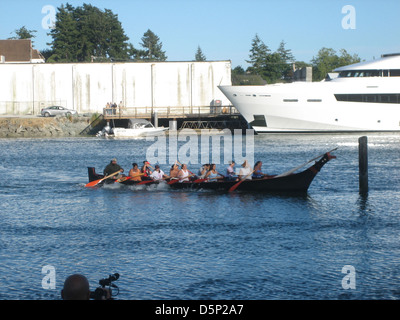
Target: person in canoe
pixel 258 174
pixel 183 174
pixel 135 173
pixel 112 167
pixel 213 174
pixel 203 171
pixel 158 174
pixel 230 172
pixel 146 170
pixel 174 171
pixel 245 171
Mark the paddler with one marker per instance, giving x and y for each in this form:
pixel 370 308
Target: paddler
pixel 112 167
pixel 134 173
pixel 258 174
pixel 158 174
pixel 174 171
pixel 245 171
pixel 183 174
pixel 213 173
pixel 146 170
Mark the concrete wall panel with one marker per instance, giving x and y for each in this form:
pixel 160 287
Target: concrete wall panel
pixel 87 87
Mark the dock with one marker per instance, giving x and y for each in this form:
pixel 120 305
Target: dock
pixel 204 117
pixel 168 112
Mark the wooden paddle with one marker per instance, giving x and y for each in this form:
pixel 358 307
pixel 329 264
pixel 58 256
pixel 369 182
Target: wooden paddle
pixel 122 179
pixel 301 166
pixel 96 182
pixel 128 178
pixel 234 187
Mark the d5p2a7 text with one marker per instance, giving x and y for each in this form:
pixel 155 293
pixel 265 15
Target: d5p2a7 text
pixel 218 309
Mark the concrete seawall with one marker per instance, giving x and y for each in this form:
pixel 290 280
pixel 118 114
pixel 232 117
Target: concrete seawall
pixel 40 127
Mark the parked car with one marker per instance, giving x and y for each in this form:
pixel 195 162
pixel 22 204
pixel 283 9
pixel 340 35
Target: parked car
pixel 57 110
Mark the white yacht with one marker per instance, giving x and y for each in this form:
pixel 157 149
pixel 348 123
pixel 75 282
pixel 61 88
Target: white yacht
pixel 362 97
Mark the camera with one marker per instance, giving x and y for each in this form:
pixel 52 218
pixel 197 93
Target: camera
pixel 104 293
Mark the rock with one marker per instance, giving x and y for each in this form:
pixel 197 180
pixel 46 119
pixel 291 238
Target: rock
pixel 41 127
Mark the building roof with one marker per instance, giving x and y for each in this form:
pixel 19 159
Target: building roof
pixel 19 51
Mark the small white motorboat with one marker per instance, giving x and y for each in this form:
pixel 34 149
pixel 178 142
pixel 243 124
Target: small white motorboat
pixel 136 128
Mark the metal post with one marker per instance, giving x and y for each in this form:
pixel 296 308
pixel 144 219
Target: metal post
pixel 363 164
pixel 173 125
pixel 155 119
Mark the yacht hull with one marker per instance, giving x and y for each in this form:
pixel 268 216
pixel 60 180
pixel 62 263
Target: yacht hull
pixel 355 101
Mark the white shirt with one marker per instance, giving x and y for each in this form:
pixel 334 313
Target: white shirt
pixel 245 172
pixel 184 176
pixel 157 175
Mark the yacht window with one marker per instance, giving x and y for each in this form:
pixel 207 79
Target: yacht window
pixel 290 100
pixel 369 98
pixel 314 100
pixel 395 73
pixel 359 73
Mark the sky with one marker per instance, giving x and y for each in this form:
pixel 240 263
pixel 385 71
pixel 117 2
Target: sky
pixel 224 29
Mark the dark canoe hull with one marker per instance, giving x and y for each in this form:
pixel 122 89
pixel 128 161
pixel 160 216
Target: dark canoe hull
pixel 293 183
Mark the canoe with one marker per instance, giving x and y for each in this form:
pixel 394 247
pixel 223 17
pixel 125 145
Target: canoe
pixel 293 182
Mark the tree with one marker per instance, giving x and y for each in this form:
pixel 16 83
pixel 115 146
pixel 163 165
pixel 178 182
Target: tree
pixel 258 56
pixel 327 60
pixel 23 33
pixel 199 55
pixel 286 60
pixel 86 33
pixel 238 70
pixel 152 47
pixel 271 66
pixel 65 36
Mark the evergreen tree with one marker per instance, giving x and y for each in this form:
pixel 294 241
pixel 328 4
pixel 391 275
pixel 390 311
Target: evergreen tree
pixel 271 66
pixel 258 56
pixel 152 47
pixel 286 60
pixel 199 55
pixel 85 33
pixel 274 67
pixel 23 33
pixel 133 53
pixel 65 36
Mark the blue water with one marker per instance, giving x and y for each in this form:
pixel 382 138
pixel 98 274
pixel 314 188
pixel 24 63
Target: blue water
pixel 200 245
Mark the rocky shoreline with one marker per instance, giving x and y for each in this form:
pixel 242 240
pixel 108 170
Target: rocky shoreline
pixel 40 127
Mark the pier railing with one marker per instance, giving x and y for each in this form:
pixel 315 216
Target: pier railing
pixel 168 112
